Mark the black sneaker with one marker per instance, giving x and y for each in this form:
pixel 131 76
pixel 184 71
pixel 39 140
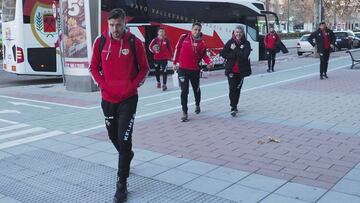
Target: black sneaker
pixel 233 111
pixel 184 117
pixel 321 77
pixel 197 109
pixel 121 192
pixel 268 70
pixel 325 75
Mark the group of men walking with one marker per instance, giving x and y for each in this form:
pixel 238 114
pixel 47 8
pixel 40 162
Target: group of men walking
pixel 119 66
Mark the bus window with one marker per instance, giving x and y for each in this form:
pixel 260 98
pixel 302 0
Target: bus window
pixel 8 12
pixel 262 25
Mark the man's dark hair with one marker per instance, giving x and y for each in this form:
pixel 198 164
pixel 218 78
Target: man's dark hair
pixel 322 23
pixel 117 13
pixel 196 24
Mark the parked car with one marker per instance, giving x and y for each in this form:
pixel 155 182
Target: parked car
pixel 346 39
pixel 357 34
pixel 303 46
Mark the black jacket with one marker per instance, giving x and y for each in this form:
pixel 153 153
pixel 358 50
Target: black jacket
pixel 240 53
pixel 319 39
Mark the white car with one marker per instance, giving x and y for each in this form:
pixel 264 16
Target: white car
pixel 303 46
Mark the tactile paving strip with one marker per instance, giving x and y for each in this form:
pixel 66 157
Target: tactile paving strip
pixel 71 180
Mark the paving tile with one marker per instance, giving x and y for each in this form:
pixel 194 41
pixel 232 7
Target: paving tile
pixel 82 141
pixel 149 169
pixel 207 185
pixel 241 193
pixel 99 157
pixel 100 146
pixel 353 175
pixel 274 198
pixel 261 182
pixel 9 200
pixel 299 191
pixel 357 166
pixel 348 187
pixel 169 161
pixel 2 196
pixel 62 147
pixel 20 149
pixel 80 152
pixel 176 177
pixel 4 155
pixel 197 167
pixel 146 155
pixel 45 143
pixel 227 174
pixel 338 197
pixel 112 163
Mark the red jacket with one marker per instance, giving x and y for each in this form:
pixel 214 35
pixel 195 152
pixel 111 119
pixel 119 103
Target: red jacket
pixel 190 52
pixel 120 78
pixel 270 40
pixel 165 49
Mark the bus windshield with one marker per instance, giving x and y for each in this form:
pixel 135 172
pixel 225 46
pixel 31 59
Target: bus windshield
pixel 8 10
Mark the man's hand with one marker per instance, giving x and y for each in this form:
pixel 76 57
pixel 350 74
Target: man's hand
pixel 175 68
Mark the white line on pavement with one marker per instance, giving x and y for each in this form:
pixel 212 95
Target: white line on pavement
pixel 13 127
pixel 22 132
pixel 214 98
pixel 253 76
pixel 7 121
pixel 30 139
pixel 45 102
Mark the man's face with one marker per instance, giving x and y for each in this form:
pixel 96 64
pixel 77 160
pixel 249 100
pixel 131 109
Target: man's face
pixel 322 26
pixel 238 33
pixel 272 30
pixel 116 27
pixel 161 33
pixel 195 31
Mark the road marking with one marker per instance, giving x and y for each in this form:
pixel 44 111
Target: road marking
pixel 30 139
pixel 10 111
pixel 45 102
pixel 214 98
pixel 7 121
pixel 27 104
pixel 22 132
pixel 13 127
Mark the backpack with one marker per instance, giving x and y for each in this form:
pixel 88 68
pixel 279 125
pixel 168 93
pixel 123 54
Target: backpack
pixel 132 47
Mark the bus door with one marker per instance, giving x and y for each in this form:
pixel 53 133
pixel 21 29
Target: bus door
pixel 262 30
pixel 150 34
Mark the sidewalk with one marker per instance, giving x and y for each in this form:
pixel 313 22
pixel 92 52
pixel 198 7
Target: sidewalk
pixel 67 157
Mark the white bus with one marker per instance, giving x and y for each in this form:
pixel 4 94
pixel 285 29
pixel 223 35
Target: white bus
pixel 218 17
pixel 30 38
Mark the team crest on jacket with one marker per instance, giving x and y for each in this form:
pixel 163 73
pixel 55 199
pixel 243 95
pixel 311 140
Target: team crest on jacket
pixel 125 51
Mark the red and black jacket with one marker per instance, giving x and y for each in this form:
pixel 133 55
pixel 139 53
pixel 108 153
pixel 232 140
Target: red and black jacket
pixel 165 52
pixel 189 52
pixel 117 75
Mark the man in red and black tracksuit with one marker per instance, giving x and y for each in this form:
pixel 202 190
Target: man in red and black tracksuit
pixel 160 47
pixel 190 50
pixel 119 71
pixel 324 38
pixel 270 44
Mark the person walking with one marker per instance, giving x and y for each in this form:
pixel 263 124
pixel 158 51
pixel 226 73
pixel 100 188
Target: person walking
pixel 160 47
pixel 119 66
pixel 189 51
pixel 324 39
pixel 236 52
pixel 270 44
